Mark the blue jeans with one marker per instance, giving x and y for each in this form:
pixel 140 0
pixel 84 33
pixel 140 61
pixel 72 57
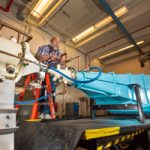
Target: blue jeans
pixel 45 108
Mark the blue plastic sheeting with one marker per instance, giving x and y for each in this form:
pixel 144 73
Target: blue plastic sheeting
pixel 113 88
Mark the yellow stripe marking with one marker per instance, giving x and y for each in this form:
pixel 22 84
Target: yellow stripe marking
pixel 116 141
pixel 97 133
pixel 139 132
pixel 123 138
pixel 132 134
pixel 33 120
pixel 100 148
pixel 108 145
pixel 128 136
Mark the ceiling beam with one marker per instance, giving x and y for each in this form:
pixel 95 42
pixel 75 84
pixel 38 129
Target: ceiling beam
pixel 110 12
pixel 117 39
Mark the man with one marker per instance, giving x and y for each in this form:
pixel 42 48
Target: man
pixel 51 55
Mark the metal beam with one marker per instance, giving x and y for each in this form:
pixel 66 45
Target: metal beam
pixel 4 24
pixel 110 12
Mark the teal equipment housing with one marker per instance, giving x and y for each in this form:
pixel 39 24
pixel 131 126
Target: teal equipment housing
pixel 126 91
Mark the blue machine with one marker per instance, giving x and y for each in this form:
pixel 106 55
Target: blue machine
pixel 123 93
pixel 118 90
pixel 117 93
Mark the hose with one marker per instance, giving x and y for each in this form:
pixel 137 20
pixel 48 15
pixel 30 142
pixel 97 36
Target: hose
pixel 79 81
pixel 74 80
pixel 33 100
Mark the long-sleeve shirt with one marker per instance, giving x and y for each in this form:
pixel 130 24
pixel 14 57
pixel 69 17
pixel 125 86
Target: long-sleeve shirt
pixel 47 50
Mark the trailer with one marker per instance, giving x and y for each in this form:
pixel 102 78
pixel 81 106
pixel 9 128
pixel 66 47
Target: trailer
pixel 113 132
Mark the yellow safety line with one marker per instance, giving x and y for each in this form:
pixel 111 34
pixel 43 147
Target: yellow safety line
pixel 132 134
pixel 100 148
pixel 119 140
pixel 128 136
pixel 123 138
pixel 136 133
pixel 33 120
pixel 108 145
pixel 103 132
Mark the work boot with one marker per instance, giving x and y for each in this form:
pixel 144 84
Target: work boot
pixel 41 116
pixel 47 116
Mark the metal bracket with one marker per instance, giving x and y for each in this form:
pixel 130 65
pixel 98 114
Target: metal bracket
pixel 20 32
pixel 93 110
pixel 137 106
pixel 139 103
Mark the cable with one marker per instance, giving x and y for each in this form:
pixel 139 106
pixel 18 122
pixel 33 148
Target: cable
pixel 74 80
pixel 79 81
pixel 32 101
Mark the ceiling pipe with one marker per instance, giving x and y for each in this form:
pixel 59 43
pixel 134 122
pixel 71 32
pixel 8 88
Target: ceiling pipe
pixel 113 41
pixel 110 12
pixel 7 8
pixel 20 13
pixel 4 24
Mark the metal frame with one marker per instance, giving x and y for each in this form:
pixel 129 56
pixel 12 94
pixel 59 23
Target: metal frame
pixel 7 115
pixel 4 24
pixel 139 103
pixel 92 109
pixel 138 106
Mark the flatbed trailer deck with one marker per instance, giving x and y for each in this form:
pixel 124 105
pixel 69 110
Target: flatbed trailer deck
pixel 96 134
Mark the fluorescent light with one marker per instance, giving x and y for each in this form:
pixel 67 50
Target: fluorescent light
pixel 108 19
pixel 84 33
pixel 57 4
pixel 94 36
pixel 41 7
pixel 120 50
pixel 99 24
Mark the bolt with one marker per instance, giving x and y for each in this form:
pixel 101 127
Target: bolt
pixel 7 125
pixel 8 117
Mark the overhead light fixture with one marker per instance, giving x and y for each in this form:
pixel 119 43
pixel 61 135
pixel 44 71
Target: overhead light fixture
pixel 99 24
pixel 84 34
pixel 120 50
pixel 121 11
pixel 94 36
pixel 41 7
pixel 56 5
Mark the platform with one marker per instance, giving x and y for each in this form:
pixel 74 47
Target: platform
pixel 65 135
